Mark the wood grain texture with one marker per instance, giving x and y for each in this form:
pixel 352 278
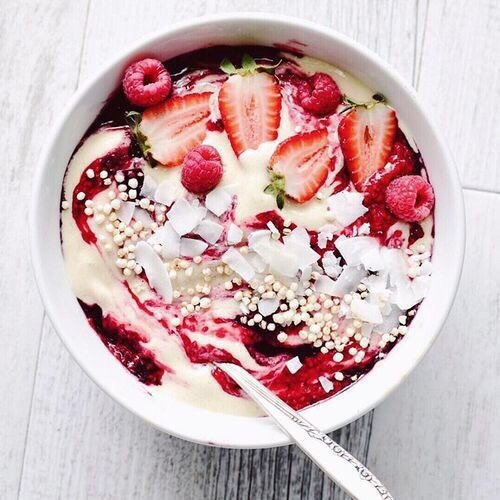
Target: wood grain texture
pixel 37 73
pixel 82 445
pixel 437 436
pixel 279 473
pixel 459 80
pixel 61 437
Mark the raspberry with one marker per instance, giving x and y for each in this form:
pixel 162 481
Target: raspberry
pixel 146 83
pixel 410 198
pixel 202 169
pixel 401 162
pixel 319 95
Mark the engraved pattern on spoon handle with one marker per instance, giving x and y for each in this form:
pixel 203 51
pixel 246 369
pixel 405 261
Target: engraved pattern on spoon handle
pixel 335 461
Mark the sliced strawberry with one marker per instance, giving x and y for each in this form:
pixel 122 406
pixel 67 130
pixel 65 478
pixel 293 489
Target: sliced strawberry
pixel 250 107
pixel 366 136
pixel 175 127
pixel 302 161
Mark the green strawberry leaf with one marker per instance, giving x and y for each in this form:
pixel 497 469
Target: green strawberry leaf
pixel 248 64
pixel 269 189
pixel 133 119
pixel 379 97
pixel 269 68
pixel 277 189
pixel 280 200
pixel 228 67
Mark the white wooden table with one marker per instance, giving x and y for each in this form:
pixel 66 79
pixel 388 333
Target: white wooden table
pixel 437 437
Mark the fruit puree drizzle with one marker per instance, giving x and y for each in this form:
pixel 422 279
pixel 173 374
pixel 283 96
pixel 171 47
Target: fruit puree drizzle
pixel 301 388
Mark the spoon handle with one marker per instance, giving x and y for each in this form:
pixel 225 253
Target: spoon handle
pixel 340 466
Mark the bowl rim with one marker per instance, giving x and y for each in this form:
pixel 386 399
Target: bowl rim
pixel 277 438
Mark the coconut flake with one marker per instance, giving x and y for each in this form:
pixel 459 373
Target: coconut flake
pixel 325 383
pixel 256 237
pixel 396 266
pixel 234 234
pixel 126 212
pixel 202 211
pixel 183 216
pixel 191 247
pixel 331 264
pixel 284 258
pixel 364 229
pixel 405 296
pixel 305 274
pixel 164 235
pixel 376 282
pixel 324 284
pixel 323 238
pixel 148 188
pixel 154 269
pixel 390 321
pixel 293 365
pixel 420 286
pixel 143 216
pixel 303 255
pixel 165 193
pixel 346 207
pixel 426 268
pixel 272 227
pixel 371 260
pixel 267 307
pixel 299 235
pixel 367 329
pixel 218 201
pixel 257 263
pixel 360 250
pixel 169 241
pixel 209 230
pixel 364 311
pixel 239 264
pixel 279 260
pixel 298 245
pixel 348 281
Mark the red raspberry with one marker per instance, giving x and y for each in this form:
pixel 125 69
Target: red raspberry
pixel 202 169
pixel 319 95
pixel 146 83
pixel 401 162
pixel 410 198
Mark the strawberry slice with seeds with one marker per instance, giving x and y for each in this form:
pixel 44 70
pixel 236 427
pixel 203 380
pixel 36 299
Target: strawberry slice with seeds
pixel 300 166
pixel 173 128
pixel 250 106
pixel 366 136
pixel 401 161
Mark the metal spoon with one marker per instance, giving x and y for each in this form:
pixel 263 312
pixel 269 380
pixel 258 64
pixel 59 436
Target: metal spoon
pixel 341 467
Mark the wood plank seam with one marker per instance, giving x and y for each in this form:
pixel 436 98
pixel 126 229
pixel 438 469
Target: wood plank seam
pixel 44 315
pixel 30 408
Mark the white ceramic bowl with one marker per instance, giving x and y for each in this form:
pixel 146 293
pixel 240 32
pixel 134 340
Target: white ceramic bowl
pixel 68 319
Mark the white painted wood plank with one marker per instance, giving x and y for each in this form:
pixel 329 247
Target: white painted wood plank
pixel 81 445
pixel 438 435
pixel 39 54
pixel 392 29
pixel 459 80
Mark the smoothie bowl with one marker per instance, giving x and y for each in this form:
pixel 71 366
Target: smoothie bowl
pixel 252 190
